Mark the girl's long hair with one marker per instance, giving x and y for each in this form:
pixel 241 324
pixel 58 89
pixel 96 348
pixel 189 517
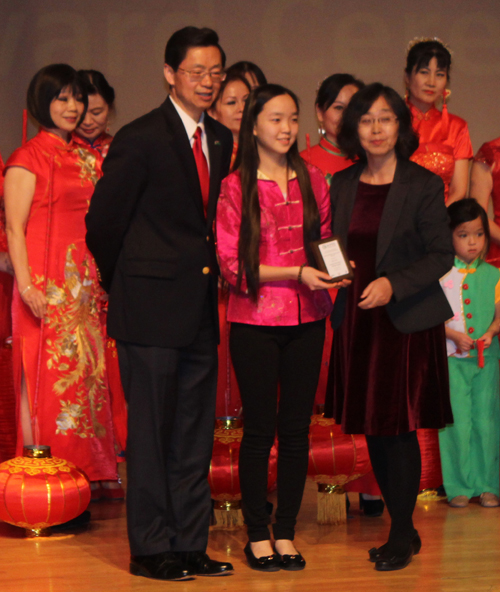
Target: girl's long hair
pixel 247 163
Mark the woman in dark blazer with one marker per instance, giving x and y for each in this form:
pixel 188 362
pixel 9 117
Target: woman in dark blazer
pixel 389 373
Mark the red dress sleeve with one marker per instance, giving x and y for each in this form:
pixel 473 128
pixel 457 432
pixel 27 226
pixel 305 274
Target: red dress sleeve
pixel 25 157
pixel 485 154
pixel 462 147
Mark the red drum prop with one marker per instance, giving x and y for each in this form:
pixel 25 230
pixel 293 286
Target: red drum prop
pixel 335 459
pixel 224 475
pixel 38 491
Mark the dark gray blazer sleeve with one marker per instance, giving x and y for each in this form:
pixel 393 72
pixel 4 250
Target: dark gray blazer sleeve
pixel 431 224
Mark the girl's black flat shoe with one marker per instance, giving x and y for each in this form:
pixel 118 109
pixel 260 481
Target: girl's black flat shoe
pixel 291 562
pixel 266 563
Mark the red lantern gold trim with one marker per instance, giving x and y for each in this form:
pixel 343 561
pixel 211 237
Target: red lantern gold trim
pixel 38 491
pixel 335 459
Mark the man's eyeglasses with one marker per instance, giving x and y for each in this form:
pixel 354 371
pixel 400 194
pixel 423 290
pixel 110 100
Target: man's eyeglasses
pixel 198 75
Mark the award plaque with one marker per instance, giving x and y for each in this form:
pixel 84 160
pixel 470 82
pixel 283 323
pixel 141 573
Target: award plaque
pixel 331 258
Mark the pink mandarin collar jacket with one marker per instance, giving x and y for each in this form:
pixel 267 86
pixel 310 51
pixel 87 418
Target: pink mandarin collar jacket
pixel 281 245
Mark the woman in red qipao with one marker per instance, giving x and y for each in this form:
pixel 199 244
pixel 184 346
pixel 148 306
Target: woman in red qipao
pixel 92 131
pixel 333 96
pixel 229 104
pixel 445 149
pixel 58 339
pixel 444 142
pixel 92 134
pixel 485 185
pixel 228 110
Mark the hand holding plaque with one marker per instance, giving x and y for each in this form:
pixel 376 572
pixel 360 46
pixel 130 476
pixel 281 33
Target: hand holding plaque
pixel 331 259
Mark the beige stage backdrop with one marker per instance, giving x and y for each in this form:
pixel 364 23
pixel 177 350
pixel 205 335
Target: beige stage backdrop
pixel 296 42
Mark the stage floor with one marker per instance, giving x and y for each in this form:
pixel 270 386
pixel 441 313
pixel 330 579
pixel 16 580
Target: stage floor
pixel 460 552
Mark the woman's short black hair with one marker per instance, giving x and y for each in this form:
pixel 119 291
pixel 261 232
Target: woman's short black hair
pixel 183 40
pixel 97 84
pixel 46 85
pixel 348 137
pixel 331 86
pixel 244 67
pixel 422 53
pixel 467 210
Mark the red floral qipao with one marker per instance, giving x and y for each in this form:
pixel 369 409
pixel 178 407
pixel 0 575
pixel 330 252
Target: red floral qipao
pixel 63 357
pixel 444 139
pixel 489 153
pixel 100 147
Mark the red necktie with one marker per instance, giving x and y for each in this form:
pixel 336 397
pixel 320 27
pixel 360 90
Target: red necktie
pixel 202 166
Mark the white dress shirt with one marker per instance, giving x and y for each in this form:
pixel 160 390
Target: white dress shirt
pixel 190 125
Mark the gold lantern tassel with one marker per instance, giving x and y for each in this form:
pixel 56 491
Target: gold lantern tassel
pixel 228 515
pixel 331 504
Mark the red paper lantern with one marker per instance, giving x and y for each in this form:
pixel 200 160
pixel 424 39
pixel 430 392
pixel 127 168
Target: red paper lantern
pixel 38 491
pixel 224 476
pixel 335 459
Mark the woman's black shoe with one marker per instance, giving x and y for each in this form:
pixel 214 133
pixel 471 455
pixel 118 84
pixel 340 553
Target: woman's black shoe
pixel 291 562
pixel 394 562
pixel 266 563
pixel 371 508
pixel 376 553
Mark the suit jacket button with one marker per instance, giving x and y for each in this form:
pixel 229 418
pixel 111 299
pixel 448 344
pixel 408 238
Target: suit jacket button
pixel 206 270
pixel 208 239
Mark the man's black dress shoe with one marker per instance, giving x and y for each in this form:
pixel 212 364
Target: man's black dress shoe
pixel 393 562
pixel 161 566
pixel 291 562
pixel 376 553
pixel 266 563
pixel 371 508
pixel 200 564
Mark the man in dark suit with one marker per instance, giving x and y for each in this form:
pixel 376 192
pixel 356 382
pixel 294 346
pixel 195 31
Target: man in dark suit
pixel 149 228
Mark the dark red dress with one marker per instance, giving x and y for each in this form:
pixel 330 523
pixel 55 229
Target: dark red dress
pixel 382 382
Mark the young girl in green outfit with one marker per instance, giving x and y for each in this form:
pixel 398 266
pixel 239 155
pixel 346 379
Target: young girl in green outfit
pixel 470 446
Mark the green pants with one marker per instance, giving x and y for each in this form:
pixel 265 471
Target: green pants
pixel 470 446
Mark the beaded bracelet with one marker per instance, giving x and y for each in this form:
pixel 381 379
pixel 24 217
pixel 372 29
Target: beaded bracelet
pixel 26 289
pixel 299 277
